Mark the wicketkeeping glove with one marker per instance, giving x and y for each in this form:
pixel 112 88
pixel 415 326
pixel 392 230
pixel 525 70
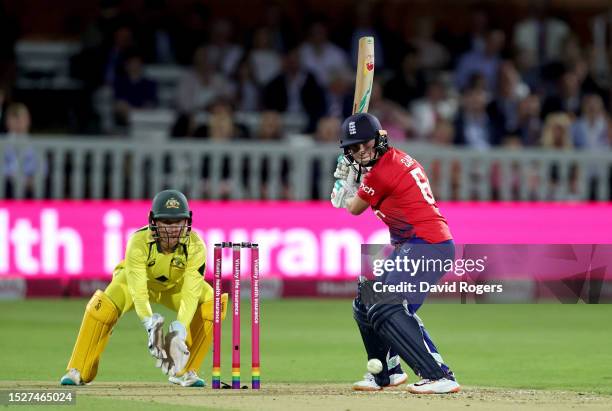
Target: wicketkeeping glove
pixel 178 353
pixel 155 330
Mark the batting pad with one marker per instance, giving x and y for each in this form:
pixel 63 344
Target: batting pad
pixel 98 321
pixel 200 336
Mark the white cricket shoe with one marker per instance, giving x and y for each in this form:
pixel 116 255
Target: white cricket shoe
pixel 369 382
pixel 72 377
pixel 397 379
pixel 441 386
pixel 189 379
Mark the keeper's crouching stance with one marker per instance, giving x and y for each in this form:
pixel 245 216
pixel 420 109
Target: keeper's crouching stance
pixel 164 263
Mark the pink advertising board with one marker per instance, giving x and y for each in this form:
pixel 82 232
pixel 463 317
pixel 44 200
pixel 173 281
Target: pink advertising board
pixel 297 240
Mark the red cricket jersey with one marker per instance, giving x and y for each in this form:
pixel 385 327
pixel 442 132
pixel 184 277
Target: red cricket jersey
pixel 398 191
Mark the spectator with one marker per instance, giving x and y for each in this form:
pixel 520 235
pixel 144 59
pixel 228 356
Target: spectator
pixel 530 74
pixel 443 134
pixel 408 83
pixel 19 157
pixel 221 128
pixel 431 54
pixel 270 130
pixel 201 86
pixel 393 118
pixel 265 61
pixel 479 81
pixel 191 32
pixel 568 97
pixel 115 59
pixel 99 34
pixel 571 51
pixel 223 53
pixel 155 33
pixel 503 110
pixel 185 126
pixel 133 90
pixel 221 125
pixel 529 126
pixel 328 130
pixel 485 62
pixel 102 45
pixel 475 38
pixel 363 25
pixel 295 90
pixel 390 23
pixel 590 131
pixel 340 94
pixel 434 108
pixel 248 94
pixel 594 82
pixel 540 35
pixel 279 25
pixel 270 127
pixel 557 132
pixel 473 127
pixel 557 135
pixel 321 56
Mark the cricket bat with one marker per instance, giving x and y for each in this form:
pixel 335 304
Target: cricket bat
pixel 365 75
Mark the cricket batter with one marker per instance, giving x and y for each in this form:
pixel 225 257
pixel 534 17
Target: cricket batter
pixel 394 185
pixel 164 263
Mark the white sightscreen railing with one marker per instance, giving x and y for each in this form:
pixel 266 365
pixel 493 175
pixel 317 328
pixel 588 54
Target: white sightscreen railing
pixel 87 167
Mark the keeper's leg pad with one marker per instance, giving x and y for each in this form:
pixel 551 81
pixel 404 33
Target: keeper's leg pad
pixel 404 334
pixel 200 336
pixel 376 347
pixel 98 321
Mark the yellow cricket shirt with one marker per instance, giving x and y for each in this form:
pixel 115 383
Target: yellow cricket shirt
pixel 147 269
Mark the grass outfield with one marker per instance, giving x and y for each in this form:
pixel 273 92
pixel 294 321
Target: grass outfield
pixel 522 346
pixel 560 347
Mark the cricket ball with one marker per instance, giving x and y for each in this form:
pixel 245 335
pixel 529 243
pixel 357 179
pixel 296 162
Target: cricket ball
pixel 375 366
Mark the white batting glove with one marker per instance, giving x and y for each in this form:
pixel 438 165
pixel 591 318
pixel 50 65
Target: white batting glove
pixel 345 171
pixel 342 192
pixel 155 330
pixel 178 353
pixel 342 168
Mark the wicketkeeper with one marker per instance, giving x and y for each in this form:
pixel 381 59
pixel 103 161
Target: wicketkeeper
pixel 164 263
pixel 394 185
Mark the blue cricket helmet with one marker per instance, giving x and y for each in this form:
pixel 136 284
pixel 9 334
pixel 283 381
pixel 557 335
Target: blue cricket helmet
pixel 360 128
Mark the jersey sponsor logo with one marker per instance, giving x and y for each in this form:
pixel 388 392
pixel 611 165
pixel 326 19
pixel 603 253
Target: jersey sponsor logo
pixel 352 128
pixel 178 262
pixel 366 189
pixel 407 161
pixel 172 203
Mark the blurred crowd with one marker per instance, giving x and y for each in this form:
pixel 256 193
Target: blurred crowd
pixel 535 85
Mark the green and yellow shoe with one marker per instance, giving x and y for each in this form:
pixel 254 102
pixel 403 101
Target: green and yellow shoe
pixel 72 377
pixel 189 379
